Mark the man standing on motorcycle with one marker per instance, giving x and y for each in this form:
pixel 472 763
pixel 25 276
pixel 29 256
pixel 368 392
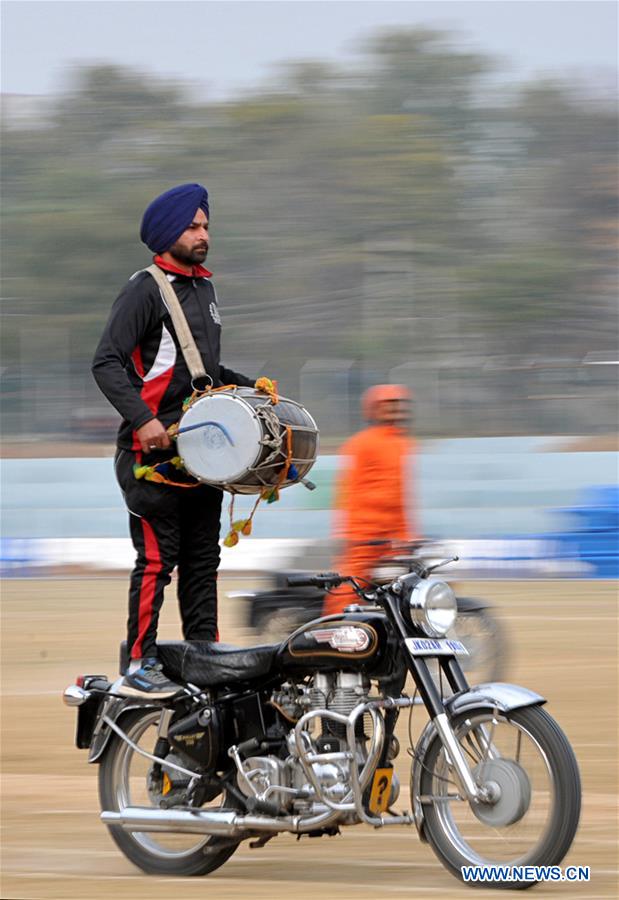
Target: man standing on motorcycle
pixel 141 368
pixel 372 488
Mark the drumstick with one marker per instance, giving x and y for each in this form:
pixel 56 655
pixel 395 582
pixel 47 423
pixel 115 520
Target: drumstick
pixel 202 425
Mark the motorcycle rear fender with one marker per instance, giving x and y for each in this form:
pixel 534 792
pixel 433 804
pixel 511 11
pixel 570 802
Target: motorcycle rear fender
pixel 492 695
pixel 114 708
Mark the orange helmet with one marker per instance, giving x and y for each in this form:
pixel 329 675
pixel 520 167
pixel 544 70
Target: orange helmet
pixel 380 393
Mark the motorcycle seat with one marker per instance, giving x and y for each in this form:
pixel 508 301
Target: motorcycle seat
pixel 209 663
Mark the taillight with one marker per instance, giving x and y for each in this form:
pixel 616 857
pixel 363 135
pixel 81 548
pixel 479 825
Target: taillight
pixel 80 680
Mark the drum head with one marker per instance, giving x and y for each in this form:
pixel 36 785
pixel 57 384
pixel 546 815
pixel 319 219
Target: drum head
pixel 220 455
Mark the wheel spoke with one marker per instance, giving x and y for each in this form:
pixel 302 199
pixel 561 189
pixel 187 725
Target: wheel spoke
pixel 471 749
pixel 486 738
pixel 518 820
pixel 127 778
pixel 133 789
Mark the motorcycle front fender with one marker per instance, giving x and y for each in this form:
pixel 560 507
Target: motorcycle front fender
pixel 495 695
pixel 471 604
pixel 492 695
pixel 267 602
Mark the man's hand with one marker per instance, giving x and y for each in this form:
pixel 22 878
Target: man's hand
pixel 153 436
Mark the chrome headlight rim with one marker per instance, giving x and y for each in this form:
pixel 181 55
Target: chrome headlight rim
pixel 434 621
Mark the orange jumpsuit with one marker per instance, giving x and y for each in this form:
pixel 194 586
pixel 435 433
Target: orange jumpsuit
pixel 370 503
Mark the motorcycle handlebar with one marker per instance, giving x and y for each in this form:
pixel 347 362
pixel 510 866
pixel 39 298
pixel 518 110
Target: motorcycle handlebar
pixel 324 579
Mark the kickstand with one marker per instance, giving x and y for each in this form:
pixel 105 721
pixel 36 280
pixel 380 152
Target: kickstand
pixel 255 845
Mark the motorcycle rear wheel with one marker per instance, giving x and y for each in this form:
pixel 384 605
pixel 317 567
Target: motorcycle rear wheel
pixel 484 637
pixel 540 789
pixel 123 781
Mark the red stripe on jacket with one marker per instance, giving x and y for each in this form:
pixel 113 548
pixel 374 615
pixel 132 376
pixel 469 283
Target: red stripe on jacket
pixel 136 356
pixel 152 394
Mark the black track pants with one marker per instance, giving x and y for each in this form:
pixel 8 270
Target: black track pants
pixel 170 526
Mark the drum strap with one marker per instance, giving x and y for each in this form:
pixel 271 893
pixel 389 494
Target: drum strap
pixel 183 332
pixel 195 365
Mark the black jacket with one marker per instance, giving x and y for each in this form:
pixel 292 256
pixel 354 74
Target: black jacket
pixel 139 365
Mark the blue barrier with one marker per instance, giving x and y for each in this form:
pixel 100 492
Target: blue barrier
pixel 595 539
pixel 529 506
pixel 19 555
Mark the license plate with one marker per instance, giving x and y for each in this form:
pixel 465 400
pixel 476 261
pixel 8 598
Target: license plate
pixel 435 647
pixel 381 791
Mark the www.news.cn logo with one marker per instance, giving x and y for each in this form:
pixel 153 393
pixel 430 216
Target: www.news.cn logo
pixel 525 873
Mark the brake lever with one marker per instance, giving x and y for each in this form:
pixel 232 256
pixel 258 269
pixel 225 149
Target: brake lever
pixel 442 562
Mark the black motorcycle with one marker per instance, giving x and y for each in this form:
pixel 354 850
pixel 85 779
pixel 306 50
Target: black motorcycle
pixel 273 613
pixel 301 737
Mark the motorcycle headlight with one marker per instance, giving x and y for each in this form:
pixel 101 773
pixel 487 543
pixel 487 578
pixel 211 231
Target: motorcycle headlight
pixel 433 607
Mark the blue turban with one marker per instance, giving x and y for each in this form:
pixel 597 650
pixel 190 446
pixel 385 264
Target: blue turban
pixel 170 214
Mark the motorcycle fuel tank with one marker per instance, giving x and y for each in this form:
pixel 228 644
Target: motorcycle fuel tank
pixel 352 641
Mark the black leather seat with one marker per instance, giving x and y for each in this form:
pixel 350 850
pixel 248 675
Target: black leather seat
pixel 209 663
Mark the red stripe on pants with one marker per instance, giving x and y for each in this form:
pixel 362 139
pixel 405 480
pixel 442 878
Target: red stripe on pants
pixel 148 586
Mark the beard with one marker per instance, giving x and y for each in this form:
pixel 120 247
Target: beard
pixel 192 257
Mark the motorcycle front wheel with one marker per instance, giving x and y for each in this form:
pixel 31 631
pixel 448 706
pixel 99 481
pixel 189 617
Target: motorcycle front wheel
pixel 278 624
pixel 126 779
pixel 529 765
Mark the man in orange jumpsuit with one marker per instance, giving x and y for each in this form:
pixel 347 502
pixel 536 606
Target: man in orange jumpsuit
pixel 372 487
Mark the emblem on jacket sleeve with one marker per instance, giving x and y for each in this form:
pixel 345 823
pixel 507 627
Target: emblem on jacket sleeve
pixel 346 639
pixel 214 313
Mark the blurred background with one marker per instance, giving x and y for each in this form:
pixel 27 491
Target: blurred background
pixel 422 193
pixel 416 192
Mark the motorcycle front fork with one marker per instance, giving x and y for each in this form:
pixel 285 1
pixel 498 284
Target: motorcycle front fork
pixel 435 706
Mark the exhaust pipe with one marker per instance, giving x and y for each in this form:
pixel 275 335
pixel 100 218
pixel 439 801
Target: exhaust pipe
pixel 136 818
pixel 215 822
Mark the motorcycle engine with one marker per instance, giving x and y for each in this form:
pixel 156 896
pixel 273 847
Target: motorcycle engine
pixel 277 779
pixel 338 693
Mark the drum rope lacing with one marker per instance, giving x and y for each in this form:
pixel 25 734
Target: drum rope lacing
pixel 269 493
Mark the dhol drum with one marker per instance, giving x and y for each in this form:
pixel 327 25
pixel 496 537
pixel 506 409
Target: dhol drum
pixel 238 439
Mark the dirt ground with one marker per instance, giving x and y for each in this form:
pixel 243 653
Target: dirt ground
pixel 564 645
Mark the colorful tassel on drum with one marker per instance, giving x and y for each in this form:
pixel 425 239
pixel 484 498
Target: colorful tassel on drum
pixel 159 474
pixel 268 386
pixel 242 525
pixel 265 384
pixel 238 527
pixel 148 473
pixel 271 495
pixel 157 477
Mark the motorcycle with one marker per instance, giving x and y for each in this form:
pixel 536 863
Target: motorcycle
pixel 277 611
pixel 300 737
